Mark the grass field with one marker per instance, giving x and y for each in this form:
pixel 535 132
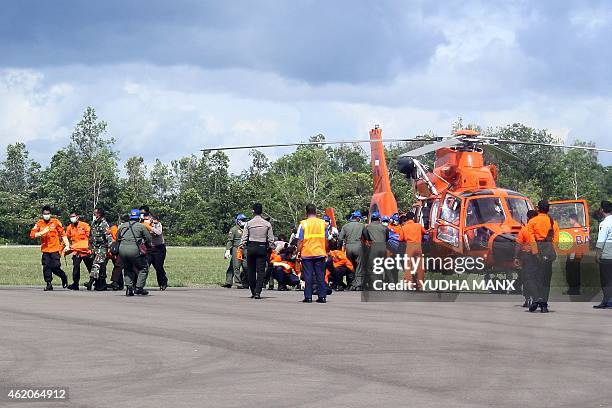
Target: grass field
pixel 193 267
pixel 202 267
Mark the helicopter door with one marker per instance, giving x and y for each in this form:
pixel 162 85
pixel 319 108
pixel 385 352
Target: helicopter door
pixel 448 230
pixel 572 216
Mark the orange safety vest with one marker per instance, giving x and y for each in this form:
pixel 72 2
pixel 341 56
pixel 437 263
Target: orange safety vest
pixel 313 244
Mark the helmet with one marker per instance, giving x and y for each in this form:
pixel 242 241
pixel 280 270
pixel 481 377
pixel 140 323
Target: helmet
pixel 375 215
pixel 385 218
pixel 356 214
pixel 395 217
pixel 326 218
pixel 241 217
pixel 134 214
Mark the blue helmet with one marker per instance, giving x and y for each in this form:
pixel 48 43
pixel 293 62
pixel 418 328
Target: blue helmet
pixel 385 218
pixel 134 214
pixel 241 217
pixel 375 215
pixel 356 214
pixel 395 217
pixel 326 218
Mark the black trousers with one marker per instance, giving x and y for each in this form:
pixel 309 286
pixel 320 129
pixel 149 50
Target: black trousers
pixel 543 275
pixel 256 266
pixel 51 263
pixel 157 257
pixel 529 275
pixel 76 266
pixel 572 275
pixel 605 276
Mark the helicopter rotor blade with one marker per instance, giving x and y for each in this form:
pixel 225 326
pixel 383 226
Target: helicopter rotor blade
pixel 432 147
pixel 263 146
pixel 562 146
pixel 501 152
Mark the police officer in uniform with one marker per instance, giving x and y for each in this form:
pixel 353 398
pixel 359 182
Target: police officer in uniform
pixel 375 234
pixel 258 240
pixel 236 270
pixel 351 234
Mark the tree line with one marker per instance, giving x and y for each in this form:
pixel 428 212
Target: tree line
pixel 197 198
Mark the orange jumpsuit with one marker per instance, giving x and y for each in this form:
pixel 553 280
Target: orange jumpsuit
pixel 412 234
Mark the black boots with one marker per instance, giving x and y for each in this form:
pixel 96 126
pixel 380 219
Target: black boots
pixel 100 285
pixel 73 286
pixel 64 281
pixel 89 284
pixel 48 287
pixel 534 306
pixel 141 291
pixel 129 291
pixel 543 307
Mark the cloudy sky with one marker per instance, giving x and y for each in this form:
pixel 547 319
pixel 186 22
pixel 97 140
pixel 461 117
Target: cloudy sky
pixel 172 77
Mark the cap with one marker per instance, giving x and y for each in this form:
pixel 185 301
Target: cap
pixel 241 217
pixel 134 214
pixel 375 215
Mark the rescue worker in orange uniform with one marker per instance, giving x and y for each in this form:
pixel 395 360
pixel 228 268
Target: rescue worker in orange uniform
pixel 411 234
pixel 545 232
pixel 283 265
pixel 338 266
pixel 525 257
pixel 313 247
pixel 53 241
pixel 78 236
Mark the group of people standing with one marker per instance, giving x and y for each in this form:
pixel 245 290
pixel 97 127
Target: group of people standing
pixel 317 258
pixel 136 243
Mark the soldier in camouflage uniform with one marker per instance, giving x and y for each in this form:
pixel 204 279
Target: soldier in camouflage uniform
pixel 100 240
pixel 237 270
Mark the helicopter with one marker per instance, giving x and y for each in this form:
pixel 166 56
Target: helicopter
pixel 459 202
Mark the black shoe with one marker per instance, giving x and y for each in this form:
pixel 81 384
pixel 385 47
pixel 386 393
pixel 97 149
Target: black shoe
pixel 64 281
pixel 258 296
pixel 101 287
pixel 270 287
pixel 358 288
pixel 544 307
pixel 48 287
pixel 534 306
pixel 226 285
pixel 603 305
pixel 88 284
pixel 527 303
pixel 339 289
pixel 321 300
pixel 282 288
pixel 242 287
pixel 141 291
pixel 306 300
pixel 165 286
pixel 129 291
pixel 114 286
pixel 73 286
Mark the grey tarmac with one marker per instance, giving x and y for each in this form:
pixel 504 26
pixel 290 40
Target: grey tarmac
pixel 218 348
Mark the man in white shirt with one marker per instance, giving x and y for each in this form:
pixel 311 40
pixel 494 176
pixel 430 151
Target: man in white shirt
pixel 604 255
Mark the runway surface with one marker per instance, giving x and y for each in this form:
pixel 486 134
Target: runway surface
pixel 218 348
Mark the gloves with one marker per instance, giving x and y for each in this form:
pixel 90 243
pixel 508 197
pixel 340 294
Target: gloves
pixel 227 254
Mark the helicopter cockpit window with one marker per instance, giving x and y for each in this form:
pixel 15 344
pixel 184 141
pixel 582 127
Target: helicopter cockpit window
pixel 486 210
pixel 518 209
pixel 568 215
pixel 451 209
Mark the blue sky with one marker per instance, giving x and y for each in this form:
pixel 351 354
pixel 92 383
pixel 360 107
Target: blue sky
pixel 173 77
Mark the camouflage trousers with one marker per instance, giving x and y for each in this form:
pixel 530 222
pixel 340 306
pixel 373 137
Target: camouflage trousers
pixel 98 269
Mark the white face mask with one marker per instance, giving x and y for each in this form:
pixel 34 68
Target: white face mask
pixel 73 219
pixel 46 217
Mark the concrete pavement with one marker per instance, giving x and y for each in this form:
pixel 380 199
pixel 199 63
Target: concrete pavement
pixel 218 348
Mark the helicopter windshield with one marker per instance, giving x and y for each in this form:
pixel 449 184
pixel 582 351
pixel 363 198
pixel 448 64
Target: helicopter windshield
pixel 486 210
pixel 451 209
pixel 568 215
pixel 518 209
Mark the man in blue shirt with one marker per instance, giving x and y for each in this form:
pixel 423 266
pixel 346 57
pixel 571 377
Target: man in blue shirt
pixel 604 255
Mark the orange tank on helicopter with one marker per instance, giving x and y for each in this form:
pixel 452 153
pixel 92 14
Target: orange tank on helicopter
pixel 461 205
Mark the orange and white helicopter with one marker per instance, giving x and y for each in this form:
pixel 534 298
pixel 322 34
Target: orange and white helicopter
pixel 459 201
